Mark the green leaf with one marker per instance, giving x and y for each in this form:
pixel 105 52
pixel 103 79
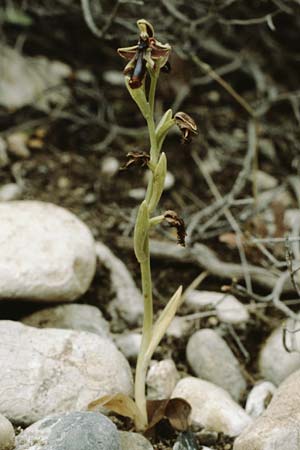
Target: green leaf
pixel 163 322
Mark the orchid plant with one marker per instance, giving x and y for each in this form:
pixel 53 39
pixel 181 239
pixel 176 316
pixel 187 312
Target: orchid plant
pixel 148 58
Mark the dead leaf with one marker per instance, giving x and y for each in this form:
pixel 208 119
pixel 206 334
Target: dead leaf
pixel 176 410
pixel 119 403
pixel 156 411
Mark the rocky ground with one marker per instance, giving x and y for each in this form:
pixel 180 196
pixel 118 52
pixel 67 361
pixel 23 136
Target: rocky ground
pixel 70 301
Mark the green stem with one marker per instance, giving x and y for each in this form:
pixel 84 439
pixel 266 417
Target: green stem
pixel 141 367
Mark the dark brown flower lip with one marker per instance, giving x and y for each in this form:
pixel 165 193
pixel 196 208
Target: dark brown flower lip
pixel 136 159
pixel 177 222
pixel 186 124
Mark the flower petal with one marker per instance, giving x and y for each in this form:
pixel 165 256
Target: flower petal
pixel 127 52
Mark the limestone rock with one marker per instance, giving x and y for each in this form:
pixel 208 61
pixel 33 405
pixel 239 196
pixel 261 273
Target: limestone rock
pixel 129 344
pixel 212 407
pixel 128 302
pixel 161 379
pixel 279 426
pixel 228 309
pixel 71 317
pixel 7 434
pixel 47 253
pixel 46 371
pixel 275 363
pixel 211 359
pixel 259 398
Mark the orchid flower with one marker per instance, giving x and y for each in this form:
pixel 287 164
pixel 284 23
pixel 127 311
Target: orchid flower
pixel 148 53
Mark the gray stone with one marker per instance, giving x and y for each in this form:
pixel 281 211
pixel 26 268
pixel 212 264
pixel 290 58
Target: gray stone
pixel 278 427
pixel 186 440
pixel 161 379
pixel 70 317
pixel 274 362
pixel 47 253
pixel 212 407
pixel 227 308
pixel 73 431
pixel 259 398
pixel 134 441
pixel 7 434
pixel 211 359
pixel 46 371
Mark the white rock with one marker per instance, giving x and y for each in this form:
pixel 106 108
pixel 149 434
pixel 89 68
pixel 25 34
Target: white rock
pixel 128 301
pixel 44 371
pixel 26 80
pixel 7 434
pixel 10 191
pixel 259 398
pixel 129 344
pixel 70 317
pixel 265 181
pixel 114 77
pixel 179 327
pixel 228 308
pixel 47 253
pixel 282 196
pixel 17 145
pixel 211 359
pixel 275 363
pixel 161 379
pixel 109 166
pixel 137 193
pixel 278 427
pixel 291 216
pixel 212 407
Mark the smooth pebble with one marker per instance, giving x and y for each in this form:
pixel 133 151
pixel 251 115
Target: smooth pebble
pixel 47 253
pixel 212 406
pixel 211 358
pixel 70 317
